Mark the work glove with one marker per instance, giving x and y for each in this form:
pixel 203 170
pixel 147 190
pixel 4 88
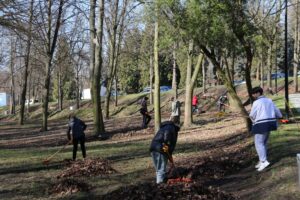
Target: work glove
pixel 165 148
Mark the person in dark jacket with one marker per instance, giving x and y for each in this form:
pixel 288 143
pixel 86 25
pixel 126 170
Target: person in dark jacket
pixel 145 113
pixel 77 127
pixel 162 147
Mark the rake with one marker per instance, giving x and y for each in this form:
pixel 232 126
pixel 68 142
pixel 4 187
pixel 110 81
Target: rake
pixel 46 161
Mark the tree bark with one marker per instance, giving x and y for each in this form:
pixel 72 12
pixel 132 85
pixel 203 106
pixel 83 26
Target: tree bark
pixel 188 90
pixel 25 75
pixel 174 78
pixel 270 63
pixel 51 45
pixel 12 86
pixel 112 56
pixel 151 79
pixel 96 75
pixel 296 49
pixel 157 115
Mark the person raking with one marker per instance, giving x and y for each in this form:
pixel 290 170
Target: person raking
pixel 162 147
pixel 77 127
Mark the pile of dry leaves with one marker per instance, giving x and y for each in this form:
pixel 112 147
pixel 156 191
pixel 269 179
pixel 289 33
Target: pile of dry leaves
pixel 88 167
pixel 69 186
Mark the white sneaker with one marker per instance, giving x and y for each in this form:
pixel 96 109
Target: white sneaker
pixel 263 165
pixel 257 165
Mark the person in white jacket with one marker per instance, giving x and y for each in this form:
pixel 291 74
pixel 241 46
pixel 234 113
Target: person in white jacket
pixel 264 115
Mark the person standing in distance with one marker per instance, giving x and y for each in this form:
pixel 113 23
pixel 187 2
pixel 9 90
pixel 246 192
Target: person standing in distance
pixel 144 112
pixel 175 110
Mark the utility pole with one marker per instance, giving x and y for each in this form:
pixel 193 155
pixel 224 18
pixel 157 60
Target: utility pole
pixel 286 81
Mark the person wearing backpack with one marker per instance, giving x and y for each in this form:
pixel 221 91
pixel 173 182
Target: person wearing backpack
pixel 77 127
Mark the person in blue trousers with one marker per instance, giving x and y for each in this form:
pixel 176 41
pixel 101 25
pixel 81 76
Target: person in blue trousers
pixel 162 147
pixel 264 115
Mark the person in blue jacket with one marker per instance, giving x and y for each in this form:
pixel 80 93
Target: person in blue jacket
pixel 77 127
pixel 162 147
pixel 264 115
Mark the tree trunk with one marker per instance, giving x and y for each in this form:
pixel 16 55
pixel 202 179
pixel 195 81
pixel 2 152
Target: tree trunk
pixel 232 65
pixel 204 76
pixel 77 90
pixel 188 87
pixel 157 116
pixel 50 52
pixel 25 75
pixel 270 58
pixel 12 86
pixel 296 49
pixel 151 79
pixel 174 78
pixel 96 75
pixel 112 56
pixel 262 72
pixel 60 90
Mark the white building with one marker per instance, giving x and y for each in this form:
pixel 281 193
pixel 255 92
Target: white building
pixel 86 93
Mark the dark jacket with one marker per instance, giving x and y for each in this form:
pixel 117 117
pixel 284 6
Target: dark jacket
pixel 144 108
pixel 167 134
pixel 77 126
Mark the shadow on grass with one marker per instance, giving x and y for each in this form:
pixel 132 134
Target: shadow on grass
pixel 31 168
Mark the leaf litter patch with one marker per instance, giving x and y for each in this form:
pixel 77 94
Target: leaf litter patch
pixel 70 180
pixel 179 191
pixel 88 167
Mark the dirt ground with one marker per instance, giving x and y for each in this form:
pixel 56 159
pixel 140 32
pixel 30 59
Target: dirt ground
pixel 216 154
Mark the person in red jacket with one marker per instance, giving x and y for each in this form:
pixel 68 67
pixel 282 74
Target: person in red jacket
pixel 195 104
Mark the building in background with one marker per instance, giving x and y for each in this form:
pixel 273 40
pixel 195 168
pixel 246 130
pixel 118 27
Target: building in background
pixel 4 99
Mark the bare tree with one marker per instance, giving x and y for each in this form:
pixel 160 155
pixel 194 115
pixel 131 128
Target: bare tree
pixel 50 48
pixel 26 67
pixel 96 65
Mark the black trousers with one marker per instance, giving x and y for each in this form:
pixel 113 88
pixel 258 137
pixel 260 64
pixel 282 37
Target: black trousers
pixel 146 119
pixel 80 140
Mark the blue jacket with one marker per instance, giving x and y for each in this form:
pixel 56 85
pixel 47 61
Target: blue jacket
pixel 77 126
pixel 167 134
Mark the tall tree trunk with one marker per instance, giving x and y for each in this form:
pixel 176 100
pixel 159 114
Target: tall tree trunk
pixel 96 75
pixel 189 90
pixel 112 56
pixel 116 90
pixel 151 79
pixel 262 73
pixel 258 72
pixel 296 49
pixel 270 63
pixel 12 86
pixel 60 90
pixel 174 78
pixel 232 65
pixel 77 90
pixel 188 87
pixel 25 75
pixel 51 45
pixel 204 76
pixel 157 115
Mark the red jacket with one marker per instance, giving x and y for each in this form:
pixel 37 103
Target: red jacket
pixel 195 101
